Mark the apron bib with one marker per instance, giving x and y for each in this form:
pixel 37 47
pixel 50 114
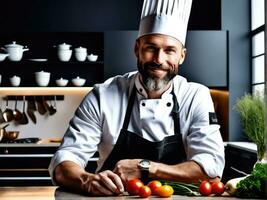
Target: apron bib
pixel 130 145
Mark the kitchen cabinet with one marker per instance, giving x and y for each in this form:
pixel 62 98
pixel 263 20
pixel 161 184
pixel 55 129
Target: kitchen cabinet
pixel 44 46
pixel 27 164
pixel 240 158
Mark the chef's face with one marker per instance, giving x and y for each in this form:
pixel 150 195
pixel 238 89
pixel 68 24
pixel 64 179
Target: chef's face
pixel 158 59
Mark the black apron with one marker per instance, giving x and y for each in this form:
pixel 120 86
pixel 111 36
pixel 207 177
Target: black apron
pixel 130 145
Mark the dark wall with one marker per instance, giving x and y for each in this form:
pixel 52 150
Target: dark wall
pixel 92 15
pixel 236 19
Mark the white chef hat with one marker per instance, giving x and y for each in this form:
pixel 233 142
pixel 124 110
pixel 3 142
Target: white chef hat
pixel 168 17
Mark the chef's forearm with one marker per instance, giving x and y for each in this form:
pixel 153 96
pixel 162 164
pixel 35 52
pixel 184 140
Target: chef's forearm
pixel 188 172
pixel 71 176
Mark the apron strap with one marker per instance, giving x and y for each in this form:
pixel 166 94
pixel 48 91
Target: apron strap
pixel 175 113
pixel 129 109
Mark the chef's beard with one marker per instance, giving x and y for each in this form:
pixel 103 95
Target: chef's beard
pixel 153 83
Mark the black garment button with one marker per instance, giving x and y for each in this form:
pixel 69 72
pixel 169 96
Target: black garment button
pixel 143 104
pixel 169 104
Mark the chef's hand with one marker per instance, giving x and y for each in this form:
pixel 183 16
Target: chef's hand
pixel 105 183
pixel 127 169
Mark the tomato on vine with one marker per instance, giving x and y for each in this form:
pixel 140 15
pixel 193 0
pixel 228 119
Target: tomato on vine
pixel 217 188
pixel 154 185
pixel 144 191
pixel 205 188
pixel 133 186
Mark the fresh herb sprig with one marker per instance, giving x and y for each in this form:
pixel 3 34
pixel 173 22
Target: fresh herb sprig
pixel 186 189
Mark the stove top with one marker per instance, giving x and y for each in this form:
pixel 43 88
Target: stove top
pixel 24 140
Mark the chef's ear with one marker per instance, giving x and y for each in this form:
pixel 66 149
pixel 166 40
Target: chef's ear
pixel 136 48
pixel 183 55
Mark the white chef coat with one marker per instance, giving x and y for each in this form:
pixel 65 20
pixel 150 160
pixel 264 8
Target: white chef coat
pixel 97 122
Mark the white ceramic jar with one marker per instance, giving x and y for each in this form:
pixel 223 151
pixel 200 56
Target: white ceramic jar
pixel 64 55
pixel 80 54
pixel 15 81
pixel 42 78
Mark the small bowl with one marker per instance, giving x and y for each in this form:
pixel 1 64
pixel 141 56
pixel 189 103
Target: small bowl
pixel 92 57
pixel 62 82
pixel 3 56
pixel 78 82
pixel 10 136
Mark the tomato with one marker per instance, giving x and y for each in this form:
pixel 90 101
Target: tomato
pixel 133 186
pixel 205 188
pixel 144 192
pixel 165 191
pixel 154 185
pixel 217 188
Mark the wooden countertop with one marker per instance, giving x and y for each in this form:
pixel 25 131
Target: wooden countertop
pixel 54 193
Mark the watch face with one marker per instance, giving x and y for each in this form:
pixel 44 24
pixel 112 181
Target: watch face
pixel 145 163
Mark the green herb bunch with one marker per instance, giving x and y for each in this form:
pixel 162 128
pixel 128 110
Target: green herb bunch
pixel 252 110
pixel 254 186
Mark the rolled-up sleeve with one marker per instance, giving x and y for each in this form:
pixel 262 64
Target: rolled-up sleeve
pixel 204 142
pixel 82 136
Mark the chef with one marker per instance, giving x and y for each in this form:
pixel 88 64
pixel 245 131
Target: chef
pixel 149 124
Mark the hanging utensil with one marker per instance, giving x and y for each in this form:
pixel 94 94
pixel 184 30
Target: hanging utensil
pixel 40 106
pixel 30 110
pixel 17 115
pixel 53 108
pixel 45 104
pixel 2 119
pixel 24 119
pixel 8 113
pixel 6 125
pixel 34 108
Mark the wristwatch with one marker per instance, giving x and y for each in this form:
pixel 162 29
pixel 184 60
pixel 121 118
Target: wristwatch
pixel 144 167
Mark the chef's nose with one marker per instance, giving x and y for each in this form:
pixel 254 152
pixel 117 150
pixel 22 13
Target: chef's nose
pixel 159 57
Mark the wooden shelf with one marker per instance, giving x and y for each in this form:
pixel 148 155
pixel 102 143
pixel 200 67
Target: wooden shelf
pixel 44 90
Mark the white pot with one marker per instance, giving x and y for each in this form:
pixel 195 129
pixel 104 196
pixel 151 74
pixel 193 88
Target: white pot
pixel 42 78
pixel 15 81
pixel 64 55
pixel 15 51
pixel 80 56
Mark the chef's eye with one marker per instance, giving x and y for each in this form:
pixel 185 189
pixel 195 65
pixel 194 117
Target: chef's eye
pixel 151 48
pixel 170 51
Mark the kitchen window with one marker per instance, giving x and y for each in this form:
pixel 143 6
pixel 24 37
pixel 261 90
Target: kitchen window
pixel 258 46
